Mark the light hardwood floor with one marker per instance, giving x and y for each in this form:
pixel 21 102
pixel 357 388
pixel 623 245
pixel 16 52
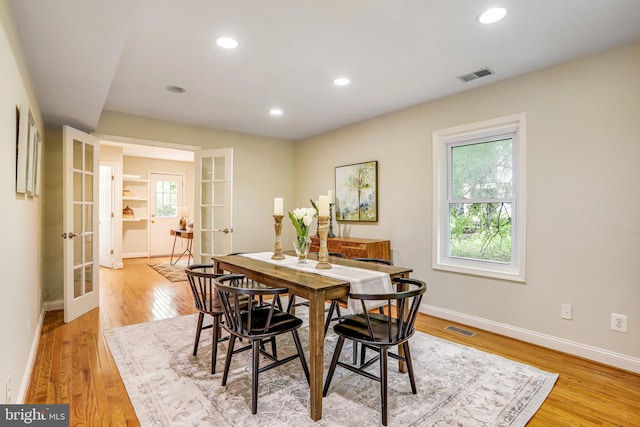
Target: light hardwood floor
pixel 73 363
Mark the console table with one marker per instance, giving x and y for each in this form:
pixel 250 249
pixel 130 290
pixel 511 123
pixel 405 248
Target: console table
pixel 355 247
pixel 184 234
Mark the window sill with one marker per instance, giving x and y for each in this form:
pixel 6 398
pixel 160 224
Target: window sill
pixel 482 269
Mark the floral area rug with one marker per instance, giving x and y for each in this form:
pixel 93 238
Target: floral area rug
pixel 175 273
pixel 457 385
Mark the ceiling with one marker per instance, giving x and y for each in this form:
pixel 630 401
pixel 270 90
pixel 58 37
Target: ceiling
pixel 86 56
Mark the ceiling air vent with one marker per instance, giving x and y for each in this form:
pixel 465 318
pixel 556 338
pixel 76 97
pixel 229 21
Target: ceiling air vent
pixel 476 75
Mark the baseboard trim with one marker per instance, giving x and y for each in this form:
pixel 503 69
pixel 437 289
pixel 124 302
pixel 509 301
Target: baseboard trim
pixel 53 305
pixel 560 344
pixel 24 386
pixel 136 255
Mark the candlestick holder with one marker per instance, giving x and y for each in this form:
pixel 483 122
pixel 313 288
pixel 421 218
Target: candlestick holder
pixel 323 254
pixel 331 220
pixel 277 250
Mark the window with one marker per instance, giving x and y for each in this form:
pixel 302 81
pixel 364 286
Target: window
pixel 479 198
pixel 166 199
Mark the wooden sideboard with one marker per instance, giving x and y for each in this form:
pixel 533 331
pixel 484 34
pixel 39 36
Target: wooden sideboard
pixel 355 247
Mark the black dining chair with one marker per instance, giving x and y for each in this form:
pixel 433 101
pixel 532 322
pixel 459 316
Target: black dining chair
pixel 335 305
pixel 206 301
pixel 255 323
pixel 374 260
pixel 381 332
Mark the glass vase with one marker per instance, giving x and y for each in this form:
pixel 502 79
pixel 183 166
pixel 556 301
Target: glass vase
pixel 302 244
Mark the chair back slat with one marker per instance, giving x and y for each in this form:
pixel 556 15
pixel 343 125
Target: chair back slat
pixel 201 282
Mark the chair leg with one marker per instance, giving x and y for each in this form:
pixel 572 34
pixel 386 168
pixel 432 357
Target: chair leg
pixel 290 304
pixel 332 368
pixel 214 343
pixel 332 309
pixel 227 360
pixel 338 310
pixel 303 360
pixel 407 357
pixel 274 349
pixel 198 330
pixel 255 369
pixel 383 383
pixel 363 354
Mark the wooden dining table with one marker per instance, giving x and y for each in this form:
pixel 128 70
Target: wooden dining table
pixel 316 289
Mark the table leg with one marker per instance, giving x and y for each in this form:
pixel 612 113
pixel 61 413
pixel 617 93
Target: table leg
pixel 186 251
pixel 217 269
pixel 402 366
pixel 189 248
pixel 316 352
pixel 173 251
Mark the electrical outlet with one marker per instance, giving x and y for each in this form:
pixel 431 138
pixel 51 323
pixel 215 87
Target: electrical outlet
pixel 566 311
pixel 8 389
pixel 618 322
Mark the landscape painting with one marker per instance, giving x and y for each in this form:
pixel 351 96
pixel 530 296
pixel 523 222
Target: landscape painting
pixel 357 192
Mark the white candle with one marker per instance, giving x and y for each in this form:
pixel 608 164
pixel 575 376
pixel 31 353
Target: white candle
pixel 323 206
pixel 331 199
pixel 277 206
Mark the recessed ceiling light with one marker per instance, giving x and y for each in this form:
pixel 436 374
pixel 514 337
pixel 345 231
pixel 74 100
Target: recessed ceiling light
pixel 176 89
pixel 275 112
pixel 341 81
pixel 492 15
pixel 227 42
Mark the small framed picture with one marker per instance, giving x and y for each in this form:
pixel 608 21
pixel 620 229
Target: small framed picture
pixel 26 151
pixel 37 173
pixel 357 192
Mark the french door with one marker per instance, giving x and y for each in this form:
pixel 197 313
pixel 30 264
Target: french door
pixel 80 221
pixel 213 216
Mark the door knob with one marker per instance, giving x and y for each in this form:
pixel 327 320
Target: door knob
pixel 70 235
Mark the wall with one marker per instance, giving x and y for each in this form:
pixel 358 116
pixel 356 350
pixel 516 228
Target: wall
pixel 583 241
pixel 263 168
pixel 21 227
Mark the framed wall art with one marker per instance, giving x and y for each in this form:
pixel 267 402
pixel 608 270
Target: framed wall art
pixel 26 151
pixel 357 192
pixel 37 173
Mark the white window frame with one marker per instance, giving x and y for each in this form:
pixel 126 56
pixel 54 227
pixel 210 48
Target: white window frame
pixel 472 133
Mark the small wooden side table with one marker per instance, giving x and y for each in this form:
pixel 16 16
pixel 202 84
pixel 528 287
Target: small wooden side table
pixel 184 234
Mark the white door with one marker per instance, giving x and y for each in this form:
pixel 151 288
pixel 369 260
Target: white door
pixel 166 194
pixel 80 222
pixel 107 214
pixel 213 216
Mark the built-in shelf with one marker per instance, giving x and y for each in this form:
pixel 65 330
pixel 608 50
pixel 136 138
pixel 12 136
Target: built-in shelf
pixel 133 178
pixel 135 229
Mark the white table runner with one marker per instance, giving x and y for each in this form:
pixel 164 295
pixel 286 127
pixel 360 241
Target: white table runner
pixel 361 279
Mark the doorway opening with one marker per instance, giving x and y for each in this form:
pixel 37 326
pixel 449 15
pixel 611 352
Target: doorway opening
pixel 127 230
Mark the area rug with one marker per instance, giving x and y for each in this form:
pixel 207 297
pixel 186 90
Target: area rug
pixel 457 385
pixel 174 273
